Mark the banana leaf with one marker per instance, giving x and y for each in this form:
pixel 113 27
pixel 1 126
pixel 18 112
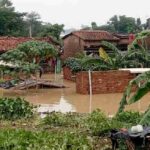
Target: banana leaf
pixel 143 84
pixel 146 118
pixel 140 93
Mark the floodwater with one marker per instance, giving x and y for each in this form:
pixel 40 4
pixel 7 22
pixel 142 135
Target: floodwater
pixel 67 99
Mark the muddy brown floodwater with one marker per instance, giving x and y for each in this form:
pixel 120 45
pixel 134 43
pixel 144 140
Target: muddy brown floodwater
pixel 67 99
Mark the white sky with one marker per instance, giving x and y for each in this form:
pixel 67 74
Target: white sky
pixel 74 13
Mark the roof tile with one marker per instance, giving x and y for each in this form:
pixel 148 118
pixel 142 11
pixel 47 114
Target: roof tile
pixel 94 35
pixel 7 43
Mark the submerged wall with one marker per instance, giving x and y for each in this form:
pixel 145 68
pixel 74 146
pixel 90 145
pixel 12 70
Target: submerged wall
pixel 103 81
pixel 68 75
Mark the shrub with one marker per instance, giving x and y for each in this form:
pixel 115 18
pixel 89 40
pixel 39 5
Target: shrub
pixel 15 108
pixel 86 63
pixel 73 63
pixel 97 122
pixel 56 119
pixel 129 117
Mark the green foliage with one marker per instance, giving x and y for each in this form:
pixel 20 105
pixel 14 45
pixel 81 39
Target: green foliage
pixel 80 55
pixel 86 63
pixel 13 56
pixel 33 23
pixel 31 140
pixel 65 131
pixel 108 27
pixel 37 49
pixel 2 80
pixel 112 47
pixel 17 108
pixel 57 119
pixel 123 24
pixel 145 120
pixel 27 56
pixel 73 63
pixel 97 122
pixel 142 81
pixel 53 30
pixel 11 23
pixel 14 23
pixel 129 117
pixel 95 64
pixel 6 5
pixel 119 24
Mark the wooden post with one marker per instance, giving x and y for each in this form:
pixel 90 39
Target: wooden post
pixel 90 89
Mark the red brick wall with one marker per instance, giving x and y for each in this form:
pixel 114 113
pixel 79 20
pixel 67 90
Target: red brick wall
pixel 68 75
pixel 72 45
pixel 103 81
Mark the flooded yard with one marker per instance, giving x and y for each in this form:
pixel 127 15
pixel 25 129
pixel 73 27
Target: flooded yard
pixel 66 99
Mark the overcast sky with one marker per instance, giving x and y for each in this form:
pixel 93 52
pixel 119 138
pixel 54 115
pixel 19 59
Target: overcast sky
pixel 74 13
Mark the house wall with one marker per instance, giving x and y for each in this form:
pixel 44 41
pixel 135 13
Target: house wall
pixel 72 45
pixel 103 81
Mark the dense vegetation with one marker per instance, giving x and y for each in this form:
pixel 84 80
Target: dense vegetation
pixel 26 58
pixel 14 23
pixel 22 127
pixel 59 131
pixel 121 24
pixel 17 108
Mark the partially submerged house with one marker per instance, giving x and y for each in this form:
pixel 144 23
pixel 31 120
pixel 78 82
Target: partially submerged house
pixel 88 41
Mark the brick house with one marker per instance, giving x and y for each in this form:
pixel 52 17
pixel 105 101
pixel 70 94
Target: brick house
pixel 8 43
pixel 88 41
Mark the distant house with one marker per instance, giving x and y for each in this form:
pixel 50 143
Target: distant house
pixel 124 40
pixel 8 43
pixel 88 41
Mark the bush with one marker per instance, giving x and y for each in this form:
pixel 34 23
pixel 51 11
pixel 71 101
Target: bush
pixel 15 108
pixel 129 117
pixel 73 63
pixel 56 119
pixel 97 122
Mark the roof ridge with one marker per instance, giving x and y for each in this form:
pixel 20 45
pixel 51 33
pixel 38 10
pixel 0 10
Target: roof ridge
pixel 94 31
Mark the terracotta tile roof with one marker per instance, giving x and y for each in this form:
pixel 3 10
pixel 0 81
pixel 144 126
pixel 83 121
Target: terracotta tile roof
pixel 91 35
pixel 7 43
pixel 121 36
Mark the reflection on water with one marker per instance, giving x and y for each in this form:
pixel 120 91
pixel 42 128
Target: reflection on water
pixel 62 106
pixel 67 99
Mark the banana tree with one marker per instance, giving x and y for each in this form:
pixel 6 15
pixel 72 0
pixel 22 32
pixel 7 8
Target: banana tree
pixel 139 42
pixel 115 58
pixel 137 56
pixel 142 83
